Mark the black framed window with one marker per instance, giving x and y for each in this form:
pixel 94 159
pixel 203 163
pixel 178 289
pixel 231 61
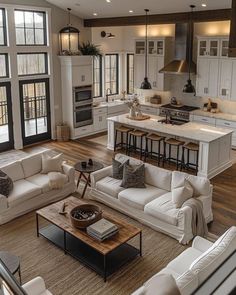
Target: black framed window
pixel 97 76
pixel 3 29
pixel 112 73
pixel 4 66
pixel 130 73
pixel 30 27
pixel 29 64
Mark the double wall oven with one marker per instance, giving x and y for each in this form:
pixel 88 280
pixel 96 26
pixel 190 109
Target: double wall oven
pixel 83 106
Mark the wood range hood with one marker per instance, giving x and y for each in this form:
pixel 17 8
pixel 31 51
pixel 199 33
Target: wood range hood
pixel 232 36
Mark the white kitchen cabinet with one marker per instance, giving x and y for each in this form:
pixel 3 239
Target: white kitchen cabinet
pixel 225 78
pixel 208 47
pixel 149 110
pixel 139 70
pixel 229 125
pixel 100 122
pixel 204 120
pixel 224 47
pixel 83 131
pixel 233 81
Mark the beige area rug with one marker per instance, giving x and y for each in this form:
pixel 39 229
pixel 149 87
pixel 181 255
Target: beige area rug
pixel 66 276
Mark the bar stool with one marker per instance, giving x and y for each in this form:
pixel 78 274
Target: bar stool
pixel 152 137
pixel 133 135
pixel 190 146
pixel 172 142
pixel 122 130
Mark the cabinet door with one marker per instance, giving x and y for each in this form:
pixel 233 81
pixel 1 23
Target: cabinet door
pixel 100 122
pixel 139 70
pixel 81 75
pixel 213 48
pixel 225 78
pixel 202 77
pixel 224 47
pixel 152 70
pixel 213 77
pixel 233 82
pixel 202 48
pixel 160 47
pixel 151 47
pixel 139 46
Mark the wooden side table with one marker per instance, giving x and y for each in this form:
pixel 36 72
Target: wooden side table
pixel 86 170
pixel 12 262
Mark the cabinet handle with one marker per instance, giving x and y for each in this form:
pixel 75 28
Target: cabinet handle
pixel 228 124
pixel 204 120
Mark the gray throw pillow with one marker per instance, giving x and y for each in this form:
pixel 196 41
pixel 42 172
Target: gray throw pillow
pixel 133 176
pixel 118 168
pixel 6 184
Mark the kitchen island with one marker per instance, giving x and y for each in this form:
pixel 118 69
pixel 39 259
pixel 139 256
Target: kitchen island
pixel 215 143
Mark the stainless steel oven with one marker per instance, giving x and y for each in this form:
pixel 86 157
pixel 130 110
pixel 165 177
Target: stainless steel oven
pixel 83 115
pixel 82 95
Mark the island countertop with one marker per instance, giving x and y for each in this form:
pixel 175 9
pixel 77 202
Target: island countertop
pixel 191 130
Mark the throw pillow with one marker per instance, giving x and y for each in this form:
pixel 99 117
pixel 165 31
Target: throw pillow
pixel 6 184
pixel 133 176
pixel 51 164
pixel 118 168
pixel 182 194
pixel 161 284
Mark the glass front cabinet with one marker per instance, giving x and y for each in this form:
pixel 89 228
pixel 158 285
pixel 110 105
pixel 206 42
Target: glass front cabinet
pixel 155 47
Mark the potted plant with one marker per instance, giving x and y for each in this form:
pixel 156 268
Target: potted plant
pixel 88 48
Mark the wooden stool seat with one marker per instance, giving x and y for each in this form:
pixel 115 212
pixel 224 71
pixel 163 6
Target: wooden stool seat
pixel 123 129
pixel 174 141
pixel 155 137
pixel 192 146
pixel 137 133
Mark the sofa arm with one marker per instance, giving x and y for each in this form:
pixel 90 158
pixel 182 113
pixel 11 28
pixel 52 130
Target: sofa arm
pixel 99 174
pixel 35 287
pixel 185 224
pixel 69 171
pixel 201 244
pixel 3 203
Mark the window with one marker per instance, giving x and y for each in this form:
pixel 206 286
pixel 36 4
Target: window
pixel 112 72
pixel 30 27
pixel 97 76
pixel 4 70
pixel 3 38
pixel 130 73
pixel 32 64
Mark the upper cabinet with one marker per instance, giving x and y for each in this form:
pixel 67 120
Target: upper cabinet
pixel 208 47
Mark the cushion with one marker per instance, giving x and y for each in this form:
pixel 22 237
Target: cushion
pixel 158 177
pixel 133 176
pixel 23 190
pixel 41 180
pixel 164 209
pixel 109 186
pixel 118 168
pixel 139 197
pixel 161 284
pixel 32 165
pixel 215 255
pixel 182 194
pixel 51 164
pixel 6 184
pixel 201 185
pixel 14 171
pixel 57 180
pixel 123 158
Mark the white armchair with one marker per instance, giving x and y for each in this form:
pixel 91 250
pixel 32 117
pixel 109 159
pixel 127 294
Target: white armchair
pixel 36 287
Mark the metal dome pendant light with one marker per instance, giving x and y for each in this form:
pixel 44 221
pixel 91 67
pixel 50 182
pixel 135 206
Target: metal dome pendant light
pixel 146 84
pixel 189 88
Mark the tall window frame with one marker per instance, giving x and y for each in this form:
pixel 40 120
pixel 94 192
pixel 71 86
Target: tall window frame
pixel 97 76
pixel 45 55
pixel 6 66
pixel 130 69
pixel 108 72
pixel 3 27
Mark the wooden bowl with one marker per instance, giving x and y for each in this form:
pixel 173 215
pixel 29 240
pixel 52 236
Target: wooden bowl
pixel 84 215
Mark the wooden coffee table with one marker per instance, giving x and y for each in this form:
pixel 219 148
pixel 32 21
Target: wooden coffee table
pixel 105 257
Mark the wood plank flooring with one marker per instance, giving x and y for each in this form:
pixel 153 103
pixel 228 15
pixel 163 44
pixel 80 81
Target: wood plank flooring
pixel 224 194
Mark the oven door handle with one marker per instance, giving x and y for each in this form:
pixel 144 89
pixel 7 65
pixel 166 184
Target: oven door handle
pixel 79 109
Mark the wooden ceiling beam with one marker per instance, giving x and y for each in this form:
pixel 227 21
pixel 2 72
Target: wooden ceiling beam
pixel 157 19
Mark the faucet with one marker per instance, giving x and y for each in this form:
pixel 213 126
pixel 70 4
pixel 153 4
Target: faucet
pixel 107 96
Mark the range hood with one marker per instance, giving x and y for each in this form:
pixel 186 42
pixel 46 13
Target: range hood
pixel 232 36
pixel 183 39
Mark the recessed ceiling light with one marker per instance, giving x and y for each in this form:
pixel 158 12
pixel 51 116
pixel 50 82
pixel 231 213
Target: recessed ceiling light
pixel 131 11
pixel 108 1
pixel 95 14
pixel 204 5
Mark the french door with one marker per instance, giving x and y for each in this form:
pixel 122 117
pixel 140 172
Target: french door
pixel 35 110
pixel 6 122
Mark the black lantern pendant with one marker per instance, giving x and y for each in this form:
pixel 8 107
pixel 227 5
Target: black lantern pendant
pixel 69 38
pixel 189 88
pixel 146 84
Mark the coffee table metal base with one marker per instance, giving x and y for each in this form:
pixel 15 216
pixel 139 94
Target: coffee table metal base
pixel 104 265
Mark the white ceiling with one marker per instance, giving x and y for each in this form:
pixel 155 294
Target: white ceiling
pixel 86 8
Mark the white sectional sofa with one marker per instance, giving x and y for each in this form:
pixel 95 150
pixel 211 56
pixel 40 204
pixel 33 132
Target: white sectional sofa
pixel 153 205
pixel 31 188
pixel 193 266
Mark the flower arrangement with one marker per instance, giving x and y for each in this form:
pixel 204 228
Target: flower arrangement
pixel 134 106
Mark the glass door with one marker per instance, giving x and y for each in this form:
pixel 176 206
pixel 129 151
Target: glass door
pixel 35 110
pixel 6 122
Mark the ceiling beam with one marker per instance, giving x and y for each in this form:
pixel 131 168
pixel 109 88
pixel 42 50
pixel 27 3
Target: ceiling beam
pixel 157 19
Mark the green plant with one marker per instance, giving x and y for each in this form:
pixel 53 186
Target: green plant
pixel 87 48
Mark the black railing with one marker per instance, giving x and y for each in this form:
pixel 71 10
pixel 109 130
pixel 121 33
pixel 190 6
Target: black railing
pixel 35 108
pixel 3 113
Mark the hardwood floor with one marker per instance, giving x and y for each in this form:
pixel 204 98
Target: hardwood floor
pixel 224 196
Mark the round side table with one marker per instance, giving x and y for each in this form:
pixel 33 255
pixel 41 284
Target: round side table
pixel 12 262
pixel 86 170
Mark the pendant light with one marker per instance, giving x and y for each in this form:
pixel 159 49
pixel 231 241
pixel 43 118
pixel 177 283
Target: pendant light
pixel 146 84
pixel 189 88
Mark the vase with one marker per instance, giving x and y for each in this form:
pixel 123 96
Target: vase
pixel 132 112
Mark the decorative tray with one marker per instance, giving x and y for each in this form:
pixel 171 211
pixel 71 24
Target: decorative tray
pixel 139 118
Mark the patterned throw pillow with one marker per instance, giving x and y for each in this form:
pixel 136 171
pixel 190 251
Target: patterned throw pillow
pixel 118 168
pixel 133 176
pixel 6 184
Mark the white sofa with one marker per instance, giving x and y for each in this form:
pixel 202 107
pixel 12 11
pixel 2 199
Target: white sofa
pixel 31 188
pixel 153 205
pixel 36 287
pixel 193 266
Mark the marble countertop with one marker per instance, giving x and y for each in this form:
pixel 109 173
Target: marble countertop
pixel 223 116
pixel 103 104
pixel 192 131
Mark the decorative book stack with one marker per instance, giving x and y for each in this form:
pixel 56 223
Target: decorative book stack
pixel 102 229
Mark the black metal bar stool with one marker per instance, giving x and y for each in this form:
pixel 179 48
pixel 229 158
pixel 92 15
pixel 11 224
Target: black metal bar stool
pixel 133 135
pixel 172 142
pixel 123 130
pixel 152 137
pixel 190 147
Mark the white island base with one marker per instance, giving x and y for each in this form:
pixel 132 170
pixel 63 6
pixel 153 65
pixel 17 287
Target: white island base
pixel 215 143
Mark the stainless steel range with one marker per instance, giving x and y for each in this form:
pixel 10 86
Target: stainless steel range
pixel 175 114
